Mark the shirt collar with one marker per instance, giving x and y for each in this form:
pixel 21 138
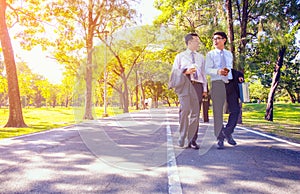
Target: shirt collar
pixel 218 50
pixel 190 51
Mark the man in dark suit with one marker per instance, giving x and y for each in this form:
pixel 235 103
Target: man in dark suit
pixel 232 97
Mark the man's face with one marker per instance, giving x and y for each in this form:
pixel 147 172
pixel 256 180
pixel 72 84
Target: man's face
pixel 219 41
pixel 194 43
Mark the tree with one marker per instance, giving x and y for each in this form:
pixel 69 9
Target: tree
pixel 127 52
pixel 15 109
pixel 291 83
pixel 230 29
pixel 278 33
pixel 275 82
pixel 75 25
pixel 66 89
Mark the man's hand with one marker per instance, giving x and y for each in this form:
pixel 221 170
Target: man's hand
pixel 241 79
pixel 204 94
pixel 223 71
pixel 190 70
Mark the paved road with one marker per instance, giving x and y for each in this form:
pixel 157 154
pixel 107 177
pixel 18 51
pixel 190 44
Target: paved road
pixel 137 153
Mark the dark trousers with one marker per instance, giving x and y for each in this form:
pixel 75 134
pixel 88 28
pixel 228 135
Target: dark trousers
pixel 233 108
pixel 199 90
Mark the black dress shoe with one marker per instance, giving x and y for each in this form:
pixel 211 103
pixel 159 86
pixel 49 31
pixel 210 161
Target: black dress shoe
pixel 194 146
pixel 229 139
pixel 220 144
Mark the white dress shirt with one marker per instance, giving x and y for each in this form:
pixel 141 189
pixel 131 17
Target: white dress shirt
pixel 184 60
pixel 213 64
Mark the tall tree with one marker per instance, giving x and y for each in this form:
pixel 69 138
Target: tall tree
pixel 243 18
pixel 229 14
pixel 127 53
pixel 75 25
pixel 278 30
pixel 275 82
pixel 292 83
pixel 15 109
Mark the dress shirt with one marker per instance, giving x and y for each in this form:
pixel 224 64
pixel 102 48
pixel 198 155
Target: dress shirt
pixel 213 64
pixel 184 60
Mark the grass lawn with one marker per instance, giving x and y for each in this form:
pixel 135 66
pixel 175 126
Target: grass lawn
pixel 41 119
pixel 286 119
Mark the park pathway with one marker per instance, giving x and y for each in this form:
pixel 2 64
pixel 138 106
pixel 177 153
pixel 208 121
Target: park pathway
pixel 137 153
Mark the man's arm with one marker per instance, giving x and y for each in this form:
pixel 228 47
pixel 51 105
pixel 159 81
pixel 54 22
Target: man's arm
pixel 209 64
pixel 203 74
pixel 240 76
pixel 177 65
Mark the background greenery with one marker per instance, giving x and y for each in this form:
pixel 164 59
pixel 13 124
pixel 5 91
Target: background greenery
pixel 138 58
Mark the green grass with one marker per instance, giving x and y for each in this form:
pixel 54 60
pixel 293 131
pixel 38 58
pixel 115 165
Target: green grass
pixel 41 119
pixel 286 119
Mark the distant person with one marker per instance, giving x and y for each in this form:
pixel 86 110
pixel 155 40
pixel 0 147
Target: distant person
pixel 232 98
pixel 149 102
pixel 218 66
pixel 146 103
pixel 189 80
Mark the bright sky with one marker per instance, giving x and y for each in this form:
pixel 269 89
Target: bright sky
pixel 39 63
pixel 148 11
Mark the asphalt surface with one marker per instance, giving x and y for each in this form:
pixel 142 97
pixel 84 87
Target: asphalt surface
pixel 137 153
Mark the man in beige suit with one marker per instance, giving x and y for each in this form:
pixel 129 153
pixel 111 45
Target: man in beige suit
pixel 189 80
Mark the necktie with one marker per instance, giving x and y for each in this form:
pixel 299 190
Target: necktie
pixel 223 65
pixel 193 60
pixel 223 61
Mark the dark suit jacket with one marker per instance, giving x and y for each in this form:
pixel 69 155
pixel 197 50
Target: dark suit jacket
pixel 232 91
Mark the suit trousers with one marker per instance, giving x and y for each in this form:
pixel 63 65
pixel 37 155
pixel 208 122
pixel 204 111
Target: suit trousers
pixel 218 97
pixel 199 90
pixel 232 98
pixel 189 116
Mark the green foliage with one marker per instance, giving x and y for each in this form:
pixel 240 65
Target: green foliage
pixel 257 91
pixel 286 119
pixel 262 58
pixel 290 78
pixel 61 28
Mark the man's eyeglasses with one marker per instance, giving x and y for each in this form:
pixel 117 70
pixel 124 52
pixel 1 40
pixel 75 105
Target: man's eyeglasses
pixel 195 41
pixel 218 38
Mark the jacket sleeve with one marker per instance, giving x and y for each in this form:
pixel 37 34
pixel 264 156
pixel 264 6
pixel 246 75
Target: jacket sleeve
pixel 177 79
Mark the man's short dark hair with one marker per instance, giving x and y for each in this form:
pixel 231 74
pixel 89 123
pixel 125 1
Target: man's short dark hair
pixel 223 34
pixel 189 37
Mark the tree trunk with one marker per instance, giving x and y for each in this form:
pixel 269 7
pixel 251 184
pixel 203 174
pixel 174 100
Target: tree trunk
pixel 275 82
pixel 291 95
pixel 243 43
pixel 230 29
pixel 89 71
pixel 136 90
pixel 15 109
pixel 126 101
pixel 142 94
pixel 231 41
